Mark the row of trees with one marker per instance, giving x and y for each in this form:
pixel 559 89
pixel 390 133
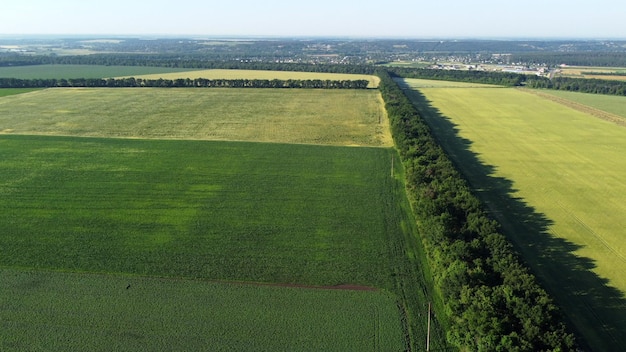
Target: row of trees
pixel 591 57
pixel 183 83
pixel 491 301
pixel 583 85
pixel 484 77
pixel 181 61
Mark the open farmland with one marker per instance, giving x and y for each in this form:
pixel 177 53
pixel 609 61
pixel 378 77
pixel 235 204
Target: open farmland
pixel 432 83
pixel 215 210
pixel 261 74
pixel 49 309
pixel 610 73
pixel 80 71
pixel 161 199
pixel 311 116
pixel 553 176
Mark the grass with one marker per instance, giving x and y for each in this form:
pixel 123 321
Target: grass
pixel 553 176
pixel 261 74
pixel 337 117
pixel 609 103
pixel 63 312
pixel 80 71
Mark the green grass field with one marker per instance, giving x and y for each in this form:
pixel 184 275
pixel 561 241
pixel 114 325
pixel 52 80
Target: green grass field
pixel 261 74
pixel 609 103
pixel 310 116
pixel 77 312
pixel 80 71
pixel 213 210
pixel 553 176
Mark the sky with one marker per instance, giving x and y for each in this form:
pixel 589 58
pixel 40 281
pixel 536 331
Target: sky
pixel 600 19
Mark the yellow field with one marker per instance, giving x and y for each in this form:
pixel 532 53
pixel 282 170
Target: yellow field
pixel 308 116
pixel 260 74
pixel 579 72
pixel 565 163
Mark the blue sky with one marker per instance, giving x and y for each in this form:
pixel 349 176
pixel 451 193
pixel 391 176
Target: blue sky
pixel 363 18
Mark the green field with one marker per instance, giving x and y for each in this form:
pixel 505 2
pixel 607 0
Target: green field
pixel 310 116
pixel 261 74
pixel 80 71
pixel 553 176
pixel 609 103
pixel 130 182
pixel 233 211
pixel 78 312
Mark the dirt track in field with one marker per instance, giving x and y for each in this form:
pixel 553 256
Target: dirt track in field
pixel 618 120
pixel 345 287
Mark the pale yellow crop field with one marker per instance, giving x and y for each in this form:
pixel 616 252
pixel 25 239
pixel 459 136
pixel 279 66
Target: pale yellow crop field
pixel 432 83
pixel 261 74
pixel 587 72
pixel 307 116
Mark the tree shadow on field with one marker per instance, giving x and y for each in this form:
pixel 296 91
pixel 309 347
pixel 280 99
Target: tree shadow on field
pixel 595 311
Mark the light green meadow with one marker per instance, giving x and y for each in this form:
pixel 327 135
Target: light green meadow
pixel 610 103
pixel 568 165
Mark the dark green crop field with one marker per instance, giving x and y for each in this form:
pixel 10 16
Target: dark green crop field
pixel 215 210
pixel 208 210
pixel 86 312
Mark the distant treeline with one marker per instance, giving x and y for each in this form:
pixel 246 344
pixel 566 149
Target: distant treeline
pixel 178 61
pixel 582 85
pixel 581 58
pixel 596 86
pixel 182 83
pixel 491 301
pixel 484 77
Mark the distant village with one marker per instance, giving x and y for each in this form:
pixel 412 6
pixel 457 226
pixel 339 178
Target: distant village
pixel 521 69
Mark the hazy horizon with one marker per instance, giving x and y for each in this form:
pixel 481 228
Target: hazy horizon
pixel 481 19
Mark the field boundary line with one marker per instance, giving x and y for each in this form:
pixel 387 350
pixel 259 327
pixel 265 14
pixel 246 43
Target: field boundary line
pixel 601 114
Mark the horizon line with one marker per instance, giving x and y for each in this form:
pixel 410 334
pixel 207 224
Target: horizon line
pixel 301 36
